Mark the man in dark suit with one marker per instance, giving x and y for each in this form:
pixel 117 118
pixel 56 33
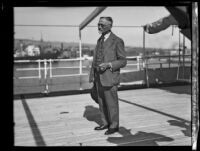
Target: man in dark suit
pixel 109 57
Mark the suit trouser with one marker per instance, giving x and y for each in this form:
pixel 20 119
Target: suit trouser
pixel 108 103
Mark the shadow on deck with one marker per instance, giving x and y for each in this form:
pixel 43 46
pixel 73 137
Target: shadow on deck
pixel 81 115
pixel 140 138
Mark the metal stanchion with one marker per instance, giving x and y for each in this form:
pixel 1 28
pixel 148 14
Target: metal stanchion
pixel 46 91
pixel 195 89
pixel 145 60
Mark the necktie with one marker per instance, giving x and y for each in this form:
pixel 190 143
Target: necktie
pixel 102 40
pixel 100 51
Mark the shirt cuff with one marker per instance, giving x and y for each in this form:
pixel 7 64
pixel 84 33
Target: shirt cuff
pixel 110 66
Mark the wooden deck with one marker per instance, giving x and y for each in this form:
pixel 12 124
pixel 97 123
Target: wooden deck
pixel 148 117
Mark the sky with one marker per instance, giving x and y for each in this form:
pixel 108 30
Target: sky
pixel 122 16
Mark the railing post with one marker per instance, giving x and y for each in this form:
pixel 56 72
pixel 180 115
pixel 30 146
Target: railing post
pixel 160 62
pixel 39 69
pixel 183 56
pixel 179 55
pixel 50 68
pixel 45 77
pixel 138 62
pixel 145 60
pixel 179 50
pixel 80 56
pixel 45 68
pixel 80 52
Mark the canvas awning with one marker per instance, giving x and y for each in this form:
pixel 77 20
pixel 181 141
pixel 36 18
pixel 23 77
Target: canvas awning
pixel 95 13
pixel 178 16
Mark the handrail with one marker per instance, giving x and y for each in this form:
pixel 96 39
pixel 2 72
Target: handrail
pixel 136 58
pixel 164 56
pixel 45 71
pixel 139 64
pixel 83 58
pixel 43 60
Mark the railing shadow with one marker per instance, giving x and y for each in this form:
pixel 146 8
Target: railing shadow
pixel 139 139
pixel 156 111
pixel 91 113
pixel 33 125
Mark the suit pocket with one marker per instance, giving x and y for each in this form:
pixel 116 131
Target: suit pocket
pixel 115 78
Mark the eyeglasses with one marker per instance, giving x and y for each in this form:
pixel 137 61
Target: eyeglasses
pixel 103 25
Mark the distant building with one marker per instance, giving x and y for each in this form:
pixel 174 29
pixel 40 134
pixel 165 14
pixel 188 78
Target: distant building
pixel 19 53
pixel 47 50
pixel 36 51
pixel 66 54
pixel 140 54
pixel 32 50
pixel 157 53
pixel 173 52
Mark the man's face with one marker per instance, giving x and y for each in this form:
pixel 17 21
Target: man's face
pixel 104 26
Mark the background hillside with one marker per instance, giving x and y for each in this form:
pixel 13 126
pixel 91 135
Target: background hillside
pixel 71 49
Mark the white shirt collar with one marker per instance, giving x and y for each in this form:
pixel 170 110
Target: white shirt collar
pixel 106 36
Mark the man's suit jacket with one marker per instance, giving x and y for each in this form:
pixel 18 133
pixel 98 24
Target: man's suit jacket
pixel 113 51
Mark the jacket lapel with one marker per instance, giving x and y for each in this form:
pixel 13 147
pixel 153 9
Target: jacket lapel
pixel 109 41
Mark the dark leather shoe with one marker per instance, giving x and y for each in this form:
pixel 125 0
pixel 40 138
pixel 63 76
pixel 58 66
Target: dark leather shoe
pixel 111 131
pixel 102 127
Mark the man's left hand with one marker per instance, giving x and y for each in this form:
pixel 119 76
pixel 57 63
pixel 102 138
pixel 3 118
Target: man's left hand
pixel 104 66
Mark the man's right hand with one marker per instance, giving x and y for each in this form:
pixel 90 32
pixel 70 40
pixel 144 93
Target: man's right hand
pixel 104 66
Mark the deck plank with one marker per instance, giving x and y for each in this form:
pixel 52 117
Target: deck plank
pixel 148 117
